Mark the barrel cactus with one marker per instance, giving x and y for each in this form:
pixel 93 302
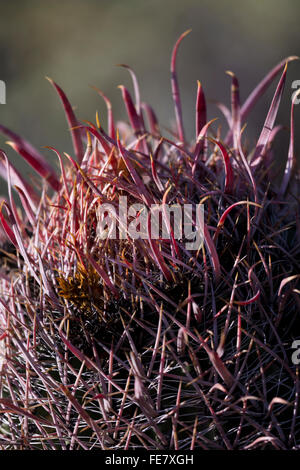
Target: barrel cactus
pixel 131 342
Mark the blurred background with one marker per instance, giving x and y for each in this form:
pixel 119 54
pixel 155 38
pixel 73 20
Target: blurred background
pixel 78 43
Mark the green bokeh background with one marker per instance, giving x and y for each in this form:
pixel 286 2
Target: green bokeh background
pixel 78 43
